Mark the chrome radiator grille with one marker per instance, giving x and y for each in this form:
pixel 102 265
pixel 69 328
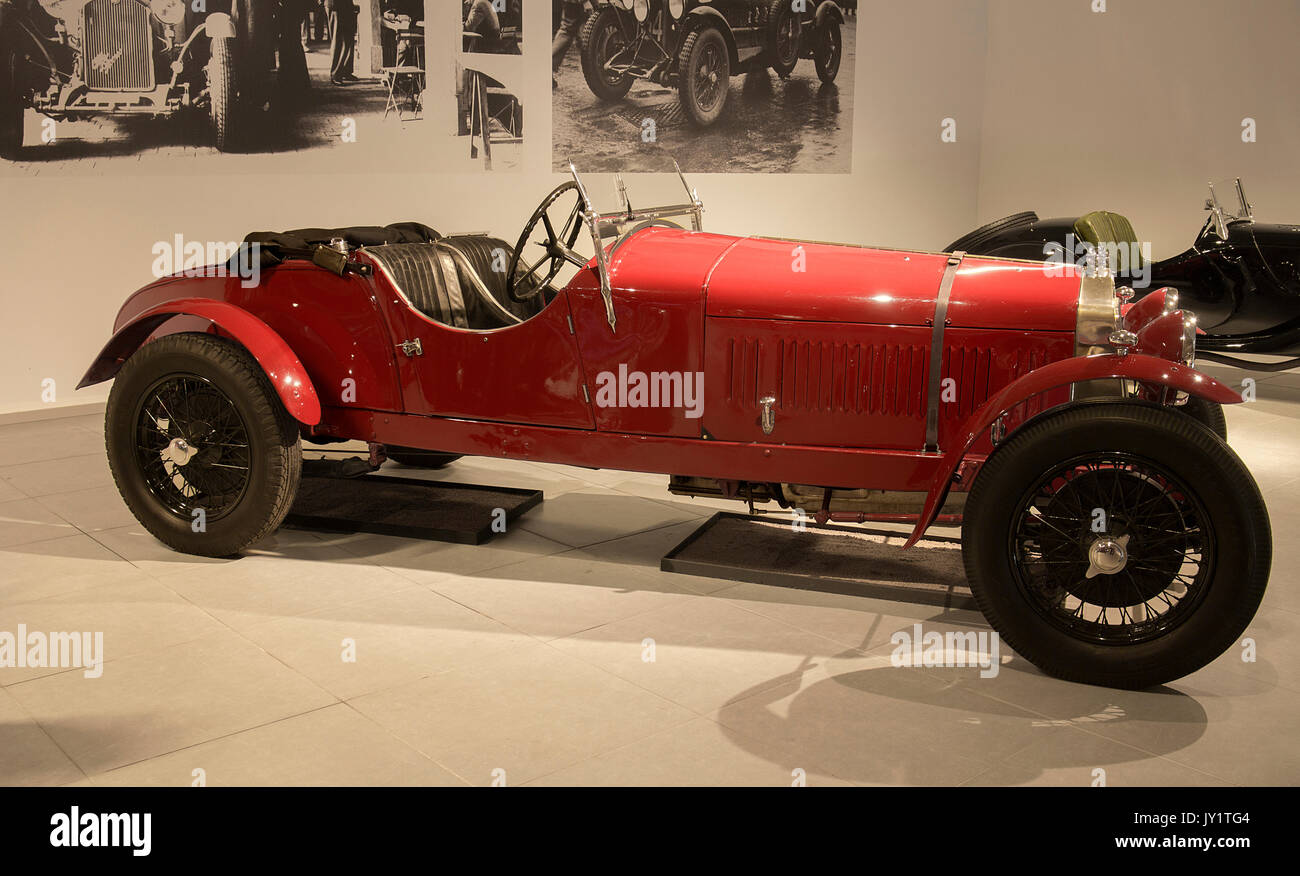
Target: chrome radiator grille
pixel 116 46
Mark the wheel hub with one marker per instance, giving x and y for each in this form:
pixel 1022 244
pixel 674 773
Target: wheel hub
pixel 1107 556
pixel 178 452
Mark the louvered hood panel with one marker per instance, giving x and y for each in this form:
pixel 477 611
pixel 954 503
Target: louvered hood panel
pixel 850 385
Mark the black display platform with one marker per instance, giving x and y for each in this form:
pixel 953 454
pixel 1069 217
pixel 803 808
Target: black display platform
pixel 835 559
pixel 406 507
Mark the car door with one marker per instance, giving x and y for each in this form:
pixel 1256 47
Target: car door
pixel 528 373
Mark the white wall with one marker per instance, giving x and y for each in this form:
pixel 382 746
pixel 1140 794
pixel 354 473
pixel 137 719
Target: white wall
pixel 77 240
pixel 1134 110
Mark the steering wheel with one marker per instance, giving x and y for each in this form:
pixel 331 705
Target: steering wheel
pixel 527 280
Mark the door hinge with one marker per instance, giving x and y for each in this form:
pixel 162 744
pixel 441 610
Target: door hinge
pixel 412 348
pixel 585 395
pixel 569 318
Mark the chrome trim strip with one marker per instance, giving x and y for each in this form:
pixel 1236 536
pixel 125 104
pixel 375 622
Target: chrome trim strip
pixel 936 351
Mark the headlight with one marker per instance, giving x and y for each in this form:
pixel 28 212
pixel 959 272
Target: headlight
pixel 168 11
pixel 1157 303
pixel 676 8
pixel 1171 336
pixel 641 9
pixel 625 5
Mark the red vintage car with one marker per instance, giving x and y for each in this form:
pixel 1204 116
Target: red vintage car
pixel 1109 534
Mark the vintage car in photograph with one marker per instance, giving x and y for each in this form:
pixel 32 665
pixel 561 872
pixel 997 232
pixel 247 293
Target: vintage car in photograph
pixel 1242 277
pixel 78 58
pixel 1108 535
pixel 695 46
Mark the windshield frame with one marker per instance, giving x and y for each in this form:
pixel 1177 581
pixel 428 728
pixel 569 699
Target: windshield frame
pixel 622 224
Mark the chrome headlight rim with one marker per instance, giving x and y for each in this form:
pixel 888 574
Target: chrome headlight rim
pixel 1188 351
pixel 641 10
pixel 677 8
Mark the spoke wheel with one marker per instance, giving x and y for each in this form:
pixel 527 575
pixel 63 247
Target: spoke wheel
pixel 192 446
pixel 784 31
pixel 604 40
pixel 1112 548
pixel 1116 543
pixel 560 224
pixel 828 51
pixel 200 447
pixel 704 69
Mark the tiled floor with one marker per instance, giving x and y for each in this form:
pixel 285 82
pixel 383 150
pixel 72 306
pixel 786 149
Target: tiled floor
pixel 524 660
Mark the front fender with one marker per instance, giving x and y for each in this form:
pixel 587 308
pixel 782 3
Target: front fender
pixel 713 16
pixel 277 359
pixel 828 10
pixel 1065 372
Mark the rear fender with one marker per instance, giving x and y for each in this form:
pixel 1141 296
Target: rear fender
pixel 1066 372
pixel 278 361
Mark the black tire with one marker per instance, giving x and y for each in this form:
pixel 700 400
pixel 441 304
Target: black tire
pixel 828 51
pixel 704 75
pixel 219 372
pixel 1198 482
pixel 784 31
pixel 221 92
pixel 601 35
pixel 981 237
pixel 1209 413
pixel 11 108
pixel 414 456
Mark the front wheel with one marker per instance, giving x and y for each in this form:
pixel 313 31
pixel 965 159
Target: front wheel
pixel 784 30
pixel 221 91
pixel 601 41
pixel 1117 544
pixel 201 449
pixel 704 71
pixel 827 51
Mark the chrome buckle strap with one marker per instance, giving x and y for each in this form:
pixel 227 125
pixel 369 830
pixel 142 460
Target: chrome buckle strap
pixel 936 352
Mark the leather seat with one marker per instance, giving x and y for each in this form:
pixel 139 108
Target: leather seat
pixel 440 286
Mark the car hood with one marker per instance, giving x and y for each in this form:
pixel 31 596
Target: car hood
pixel 764 278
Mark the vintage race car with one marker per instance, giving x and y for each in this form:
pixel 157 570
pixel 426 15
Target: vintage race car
pixel 73 58
pixel 1108 535
pixel 695 45
pixel 1242 277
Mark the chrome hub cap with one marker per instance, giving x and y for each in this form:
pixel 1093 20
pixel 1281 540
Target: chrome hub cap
pixel 178 452
pixel 1107 556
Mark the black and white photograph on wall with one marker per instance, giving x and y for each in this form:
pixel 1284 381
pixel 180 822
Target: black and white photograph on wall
pixel 494 27
pixel 723 86
pixel 475 96
pixel 145 81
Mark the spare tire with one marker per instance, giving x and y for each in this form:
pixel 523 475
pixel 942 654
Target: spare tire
pixel 981 237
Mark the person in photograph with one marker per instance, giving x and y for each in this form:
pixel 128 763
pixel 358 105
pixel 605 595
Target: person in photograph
pixel 400 16
pixel 484 27
pixel 572 14
pixel 343 37
pixel 293 60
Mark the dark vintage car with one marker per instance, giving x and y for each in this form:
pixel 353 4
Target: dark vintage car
pixel 73 58
pixel 696 45
pixel 1242 277
pixel 1108 536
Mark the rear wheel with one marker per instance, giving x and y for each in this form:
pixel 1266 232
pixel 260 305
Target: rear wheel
pixel 1117 544
pixel 704 70
pixel 600 41
pixel 413 456
pixel 221 91
pixel 784 30
pixel 201 449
